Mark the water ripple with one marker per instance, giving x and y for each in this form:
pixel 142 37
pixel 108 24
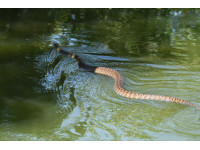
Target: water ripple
pixel 95 112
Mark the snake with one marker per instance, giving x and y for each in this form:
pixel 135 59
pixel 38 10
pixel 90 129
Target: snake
pixel 119 81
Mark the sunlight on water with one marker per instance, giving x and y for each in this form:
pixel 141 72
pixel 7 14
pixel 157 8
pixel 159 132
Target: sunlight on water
pixel 98 113
pixel 46 96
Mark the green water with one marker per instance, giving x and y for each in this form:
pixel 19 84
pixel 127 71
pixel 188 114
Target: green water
pixel 45 96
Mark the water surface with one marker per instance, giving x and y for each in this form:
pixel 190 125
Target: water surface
pixel 45 96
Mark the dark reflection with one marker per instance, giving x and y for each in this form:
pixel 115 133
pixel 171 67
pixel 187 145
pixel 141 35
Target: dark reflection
pixel 121 29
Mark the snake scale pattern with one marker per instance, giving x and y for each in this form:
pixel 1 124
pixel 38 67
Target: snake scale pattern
pixel 119 80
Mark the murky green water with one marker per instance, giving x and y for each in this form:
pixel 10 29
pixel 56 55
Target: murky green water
pixel 45 96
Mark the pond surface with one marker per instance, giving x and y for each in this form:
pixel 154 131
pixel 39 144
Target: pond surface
pixel 45 96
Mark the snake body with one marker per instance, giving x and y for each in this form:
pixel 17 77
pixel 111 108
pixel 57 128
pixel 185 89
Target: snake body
pixel 119 81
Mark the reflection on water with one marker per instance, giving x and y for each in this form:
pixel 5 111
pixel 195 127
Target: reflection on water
pixel 45 96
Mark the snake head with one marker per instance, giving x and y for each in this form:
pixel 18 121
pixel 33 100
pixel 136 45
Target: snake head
pixel 55 44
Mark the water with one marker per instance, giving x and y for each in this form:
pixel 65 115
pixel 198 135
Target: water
pixel 45 96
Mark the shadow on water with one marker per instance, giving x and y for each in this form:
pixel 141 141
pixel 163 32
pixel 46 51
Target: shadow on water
pixel 45 96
